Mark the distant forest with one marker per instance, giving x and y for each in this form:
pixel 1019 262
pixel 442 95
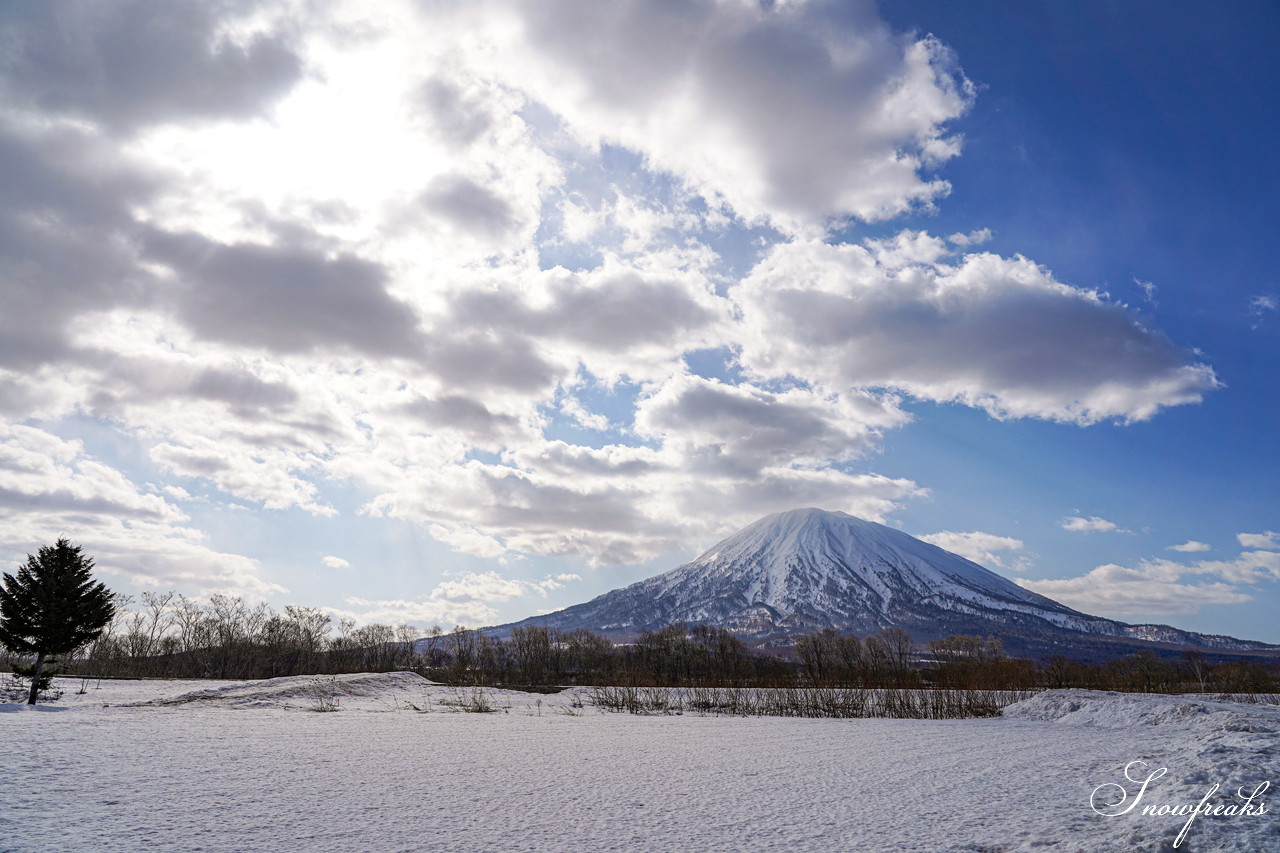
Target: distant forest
pixel 167 635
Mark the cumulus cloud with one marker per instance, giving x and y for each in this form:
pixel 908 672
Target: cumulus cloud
pixel 1249 567
pixel 1092 524
pixel 742 429
pixel 977 546
pixel 848 130
pixel 1150 589
pixel 128 384
pixel 277 248
pixel 268 477
pixel 46 475
pixel 50 487
pixel 997 333
pixel 638 225
pixel 283 298
pixel 62 251
pixel 335 562
pixel 142 61
pixel 616 320
pixel 973 238
pixel 573 407
pixel 454 112
pixel 487 586
pixel 1260 306
pixel 467 416
pixel 740 450
pixel 474 208
pixel 1190 546
pixel 621 504
pixel 1161 587
pixel 465 600
pixel 467 540
pixel 415 612
pixel 1269 540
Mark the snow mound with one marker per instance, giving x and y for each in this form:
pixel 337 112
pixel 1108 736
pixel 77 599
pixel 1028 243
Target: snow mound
pixel 1124 710
pixel 1211 749
pixel 20 707
pixel 303 690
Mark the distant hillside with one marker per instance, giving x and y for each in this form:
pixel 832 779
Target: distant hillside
pixel 799 571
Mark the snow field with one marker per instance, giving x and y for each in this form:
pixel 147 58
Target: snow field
pixel 247 767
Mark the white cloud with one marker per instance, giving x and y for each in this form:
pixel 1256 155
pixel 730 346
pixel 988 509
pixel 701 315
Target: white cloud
pixel 1260 306
pixel 1092 524
pixel 996 333
pixel 1116 591
pixel 283 298
pixel 177 493
pixel 622 504
pixel 973 238
pixel 578 221
pixel 742 428
pixel 848 130
pixel 486 586
pixel 142 61
pixel 471 207
pixel 423 614
pixel 335 562
pixel 264 476
pixel 44 475
pixel 50 487
pixel 1190 546
pixel 465 600
pixel 313 245
pixel 980 547
pixel 467 540
pixel 175 558
pixel 1249 567
pixel 1267 541
pixel 573 407
pixel 616 319
pixel 1159 586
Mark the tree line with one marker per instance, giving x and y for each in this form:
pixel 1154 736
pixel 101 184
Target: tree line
pixel 168 635
pixel 830 659
pixel 53 615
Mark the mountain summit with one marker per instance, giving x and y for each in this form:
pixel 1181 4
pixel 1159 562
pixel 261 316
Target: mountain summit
pixel 806 569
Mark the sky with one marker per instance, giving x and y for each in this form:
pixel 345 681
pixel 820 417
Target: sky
pixel 457 312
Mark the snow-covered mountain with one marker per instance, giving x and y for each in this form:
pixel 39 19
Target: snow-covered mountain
pixel 806 569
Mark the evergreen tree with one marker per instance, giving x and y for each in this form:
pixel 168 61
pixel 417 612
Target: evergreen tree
pixel 52 607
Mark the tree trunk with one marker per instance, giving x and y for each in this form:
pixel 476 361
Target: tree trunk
pixel 35 678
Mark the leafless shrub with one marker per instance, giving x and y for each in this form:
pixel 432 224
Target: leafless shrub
pixel 829 702
pixel 473 700
pixel 422 706
pixel 1249 698
pixel 639 700
pixel 324 695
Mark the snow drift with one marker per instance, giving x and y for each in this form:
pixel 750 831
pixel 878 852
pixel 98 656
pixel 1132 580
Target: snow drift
pixel 303 690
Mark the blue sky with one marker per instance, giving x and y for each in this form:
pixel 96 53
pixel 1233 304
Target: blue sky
pixel 1117 144
pixel 453 313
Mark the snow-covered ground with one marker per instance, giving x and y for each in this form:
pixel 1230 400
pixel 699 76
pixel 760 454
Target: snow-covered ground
pixel 153 766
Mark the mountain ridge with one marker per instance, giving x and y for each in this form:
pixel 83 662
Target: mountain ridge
pixel 803 570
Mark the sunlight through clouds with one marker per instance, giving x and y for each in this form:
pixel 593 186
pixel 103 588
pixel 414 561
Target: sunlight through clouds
pixel 452 264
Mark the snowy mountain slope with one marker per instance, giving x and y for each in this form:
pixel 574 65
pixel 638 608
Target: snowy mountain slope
pixel 807 569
